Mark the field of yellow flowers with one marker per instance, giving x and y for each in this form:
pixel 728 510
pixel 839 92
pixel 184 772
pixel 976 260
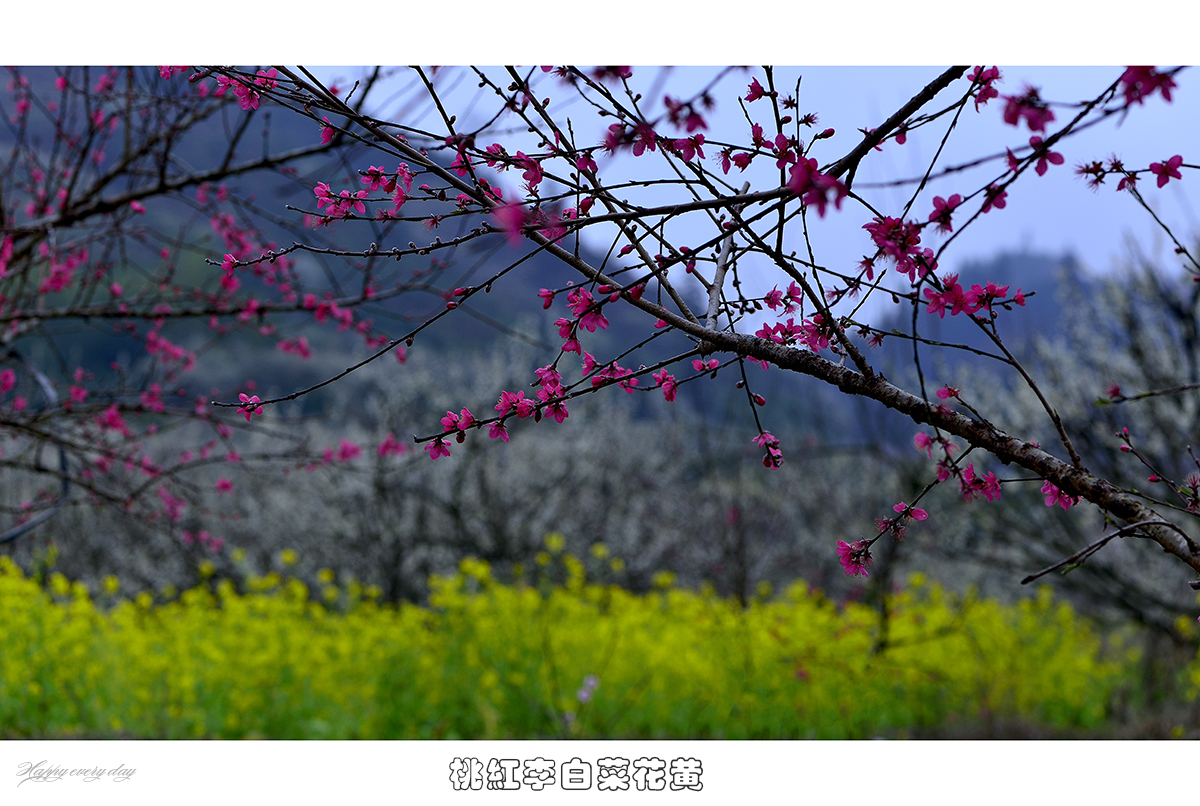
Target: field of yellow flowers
pixel 533 658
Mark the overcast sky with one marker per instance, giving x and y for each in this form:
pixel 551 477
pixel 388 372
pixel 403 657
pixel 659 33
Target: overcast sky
pixel 1056 213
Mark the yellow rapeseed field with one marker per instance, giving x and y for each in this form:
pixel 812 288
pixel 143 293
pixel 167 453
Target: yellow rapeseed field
pixel 532 658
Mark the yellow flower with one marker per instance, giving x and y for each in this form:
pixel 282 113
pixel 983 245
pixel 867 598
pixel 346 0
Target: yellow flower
pixel 287 557
pixel 555 542
pixel 599 551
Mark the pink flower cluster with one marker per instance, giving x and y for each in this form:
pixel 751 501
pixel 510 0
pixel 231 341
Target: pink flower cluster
pixel 214 544
pixel 667 383
pixel 811 332
pixel 341 205
pixel 586 310
pixel 458 423
pixel 172 507
pixel 985 79
pixel 773 458
pixel 391 446
pixel 855 557
pixel 683 115
pixel 1138 83
pixel 974 486
pixel 247 95
pixel 813 187
pixel 611 372
pixel 1028 107
pixel 1057 496
pixel 551 393
pixel 110 419
pixel 900 241
pixel 298 346
pixel 959 301
pixel 789 301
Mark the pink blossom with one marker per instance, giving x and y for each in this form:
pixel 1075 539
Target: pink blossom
pixel 690 147
pixel 1028 107
pixel 942 209
pixel 8 379
pixel 916 513
pixel 224 486
pixel 510 401
pixel 581 303
pixel 855 557
pixel 683 114
pixel 298 346
pixel 111 419
pixel 585 163
pixel 774 456
pixel 391 446
pixel 465 419
pixel 756 91
pixel 251 405
pixel 348 451
pixel 510 219
pixel 548 376
pixel 995 198
pixel 947 392
pixel 923 442
pixel 666 382
pixel 327 132
pixel 1057 496
pixel 972 485
pixel 532 172
pixel 1045 155
pixel 1168 170
pixel 557 409
pixel 985 79
pixel 498 430
pixel 438 448
pixel 1139 82
pixel 247 97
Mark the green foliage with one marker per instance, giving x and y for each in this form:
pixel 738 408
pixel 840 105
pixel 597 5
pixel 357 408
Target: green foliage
pixel 512 660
